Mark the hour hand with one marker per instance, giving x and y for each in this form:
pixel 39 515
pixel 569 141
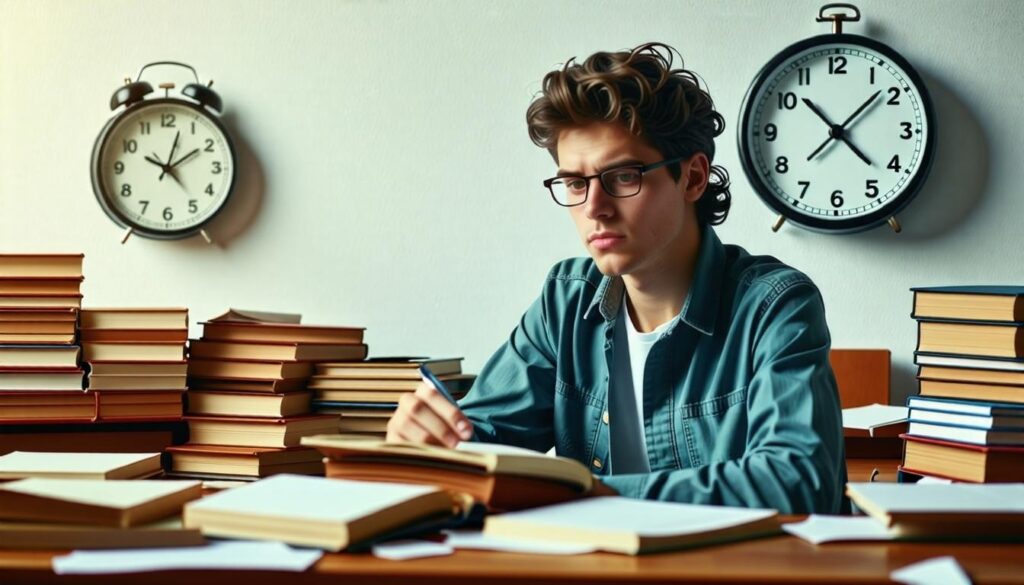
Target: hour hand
pixel 154 161
pixel 817 112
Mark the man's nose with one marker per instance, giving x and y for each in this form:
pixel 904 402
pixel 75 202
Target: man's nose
pixel 599 202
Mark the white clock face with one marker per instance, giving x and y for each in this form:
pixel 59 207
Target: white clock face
pixel 165 167
pixel 837 132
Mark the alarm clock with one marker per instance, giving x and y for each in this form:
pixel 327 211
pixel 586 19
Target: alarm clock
pixel 837 132
pixel 164 167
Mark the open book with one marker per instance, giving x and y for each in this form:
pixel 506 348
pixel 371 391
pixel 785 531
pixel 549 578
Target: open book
pixel 628 526
pixel 502 477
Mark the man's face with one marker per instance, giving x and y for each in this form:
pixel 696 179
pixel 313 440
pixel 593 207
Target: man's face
pixel 632 235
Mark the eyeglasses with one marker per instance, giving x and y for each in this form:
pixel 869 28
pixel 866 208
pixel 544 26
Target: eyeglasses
pixel 624 181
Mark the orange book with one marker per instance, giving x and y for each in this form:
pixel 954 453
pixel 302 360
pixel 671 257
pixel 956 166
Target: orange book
pixel 41 265
pixel 131 335
pixel 281 333
pixel 248 370
pixel 40 286
pixel 244 461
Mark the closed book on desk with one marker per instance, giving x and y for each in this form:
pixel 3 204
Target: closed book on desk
pixel 963 434
pixel 130 351
pixel 972 391
pixel 27 285
pixel 958 511
pixel 49 536
pixel 502 477
pixel 285 352
pixel 972 375
pixel 248 370
pixel 986 303
pixel 974 338
pixel 386 384
pixel 21 464
pixel 628 526
pixel 114 502
pixel 128 318
pixel 280 333
pixel 963 462
pixel 41 265
pixel 385 369
pixel 41 379
pixel 39 356
pixel 244 461
pixel 257 432
pixel 309 511
pixel 244 404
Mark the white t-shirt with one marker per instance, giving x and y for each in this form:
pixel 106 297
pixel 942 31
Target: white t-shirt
pixel 626 400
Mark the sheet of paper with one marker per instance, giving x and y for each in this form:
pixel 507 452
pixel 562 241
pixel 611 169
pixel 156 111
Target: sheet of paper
pixel 474 539
pixel 938 570
pixel 957 497
pixel 242 555
pixel 643 517
pixel 873 415
pixel 402 550
pixel 818 529
pixel 498 448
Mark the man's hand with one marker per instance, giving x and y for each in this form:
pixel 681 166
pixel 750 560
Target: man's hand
pixel 424 416
pixel 601 489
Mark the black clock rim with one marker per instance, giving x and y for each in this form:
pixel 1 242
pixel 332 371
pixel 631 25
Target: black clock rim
pixel 120 219
pixel 854 224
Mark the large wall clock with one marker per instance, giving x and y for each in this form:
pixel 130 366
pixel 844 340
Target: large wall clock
pixel 163 167
pixel 837 132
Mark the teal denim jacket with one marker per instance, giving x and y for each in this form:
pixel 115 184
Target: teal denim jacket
pixel 740 403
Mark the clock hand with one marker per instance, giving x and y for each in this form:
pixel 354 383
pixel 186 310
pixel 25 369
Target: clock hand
pixel 155 160
pixel 819 149
pixel 818 112
pixel 855 150
pixel 184 158
pixel 860 109
pixel 170 157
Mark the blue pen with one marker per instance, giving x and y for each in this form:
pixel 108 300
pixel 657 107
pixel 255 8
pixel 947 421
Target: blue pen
pixel 430 377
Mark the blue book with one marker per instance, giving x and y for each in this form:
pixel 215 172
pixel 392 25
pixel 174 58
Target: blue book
pixel 980 303
pixel 971 407
pixel 971 436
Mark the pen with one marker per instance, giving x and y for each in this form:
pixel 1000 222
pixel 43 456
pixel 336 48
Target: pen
pixel 428 376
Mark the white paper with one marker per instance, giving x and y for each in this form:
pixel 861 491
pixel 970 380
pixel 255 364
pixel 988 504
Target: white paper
pixel 65 465
pixel 242 555
pixel 643 517
pixel 401 550
pixel 957 497
pixel 818 529
pixel 497 448
pixel 873 415
pixel 943 570
pixel 473 539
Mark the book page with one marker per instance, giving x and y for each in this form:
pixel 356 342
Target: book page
pixel 953 498
pixel 118 494
pixel 873 415
pixel 641 517
pixel 26 463
pixel 497 449
pixel 313 498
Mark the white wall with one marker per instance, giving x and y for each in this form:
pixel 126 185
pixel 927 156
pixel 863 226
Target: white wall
pixel 387 179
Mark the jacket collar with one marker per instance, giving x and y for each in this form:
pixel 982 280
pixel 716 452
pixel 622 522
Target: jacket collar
pixel 700 309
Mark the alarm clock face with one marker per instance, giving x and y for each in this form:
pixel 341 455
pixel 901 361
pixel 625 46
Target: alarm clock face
pixel 163 167
pixel 837 133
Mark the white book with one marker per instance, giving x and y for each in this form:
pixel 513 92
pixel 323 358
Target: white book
pixel 967 420
pixel 966 435
pixel 22 464
pixel 628 526
pixel 315 511
pixel 871 417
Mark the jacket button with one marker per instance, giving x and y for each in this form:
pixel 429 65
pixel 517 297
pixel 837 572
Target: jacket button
pixel 597 463
pixel 604 417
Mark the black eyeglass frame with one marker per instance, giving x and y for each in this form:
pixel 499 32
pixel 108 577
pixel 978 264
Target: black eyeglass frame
pixel 641 168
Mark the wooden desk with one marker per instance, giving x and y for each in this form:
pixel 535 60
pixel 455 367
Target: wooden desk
pixel 781 559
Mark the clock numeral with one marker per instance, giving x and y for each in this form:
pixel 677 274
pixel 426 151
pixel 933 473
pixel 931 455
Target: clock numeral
pixel 144 127
pixel 130 145
pixel 787 100
pixel 216 167
pixel 907 134
pixel 209 189
pixel 118 167
pixel 806 185
pixel 837 198
pixel 837 65
pixel 804 76
pixel 872 188
pixel 872 76
pixel 168 216
pixel 126 190
pixel 894 163
pixel 771 132
pixel 781 165
pixel 193 128
pixel 144 205
pixel 209 145
pixel 894 96
pixel 167 120
pixel 192 207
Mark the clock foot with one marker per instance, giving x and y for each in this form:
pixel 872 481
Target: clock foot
pixel 778 223
pixel 895 225
pixel 127 234
pixel 206 237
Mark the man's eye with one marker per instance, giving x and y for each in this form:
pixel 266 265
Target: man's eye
pixel 575 184
pixel 626 177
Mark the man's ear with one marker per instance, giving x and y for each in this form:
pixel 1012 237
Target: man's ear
pixel 694 178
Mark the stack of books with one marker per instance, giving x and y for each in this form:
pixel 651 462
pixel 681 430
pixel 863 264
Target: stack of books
pixel 366 394
pixel 136 361
pixel 248 406
pixel 967 423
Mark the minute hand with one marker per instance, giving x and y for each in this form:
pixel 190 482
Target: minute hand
pixel 860 109
pixel 184 158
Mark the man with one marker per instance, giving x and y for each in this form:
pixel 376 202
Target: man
pixel 675 367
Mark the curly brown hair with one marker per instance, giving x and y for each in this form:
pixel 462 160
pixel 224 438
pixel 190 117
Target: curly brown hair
pixel 665 106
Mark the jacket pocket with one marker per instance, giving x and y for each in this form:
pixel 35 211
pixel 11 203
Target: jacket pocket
pixel 715 429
